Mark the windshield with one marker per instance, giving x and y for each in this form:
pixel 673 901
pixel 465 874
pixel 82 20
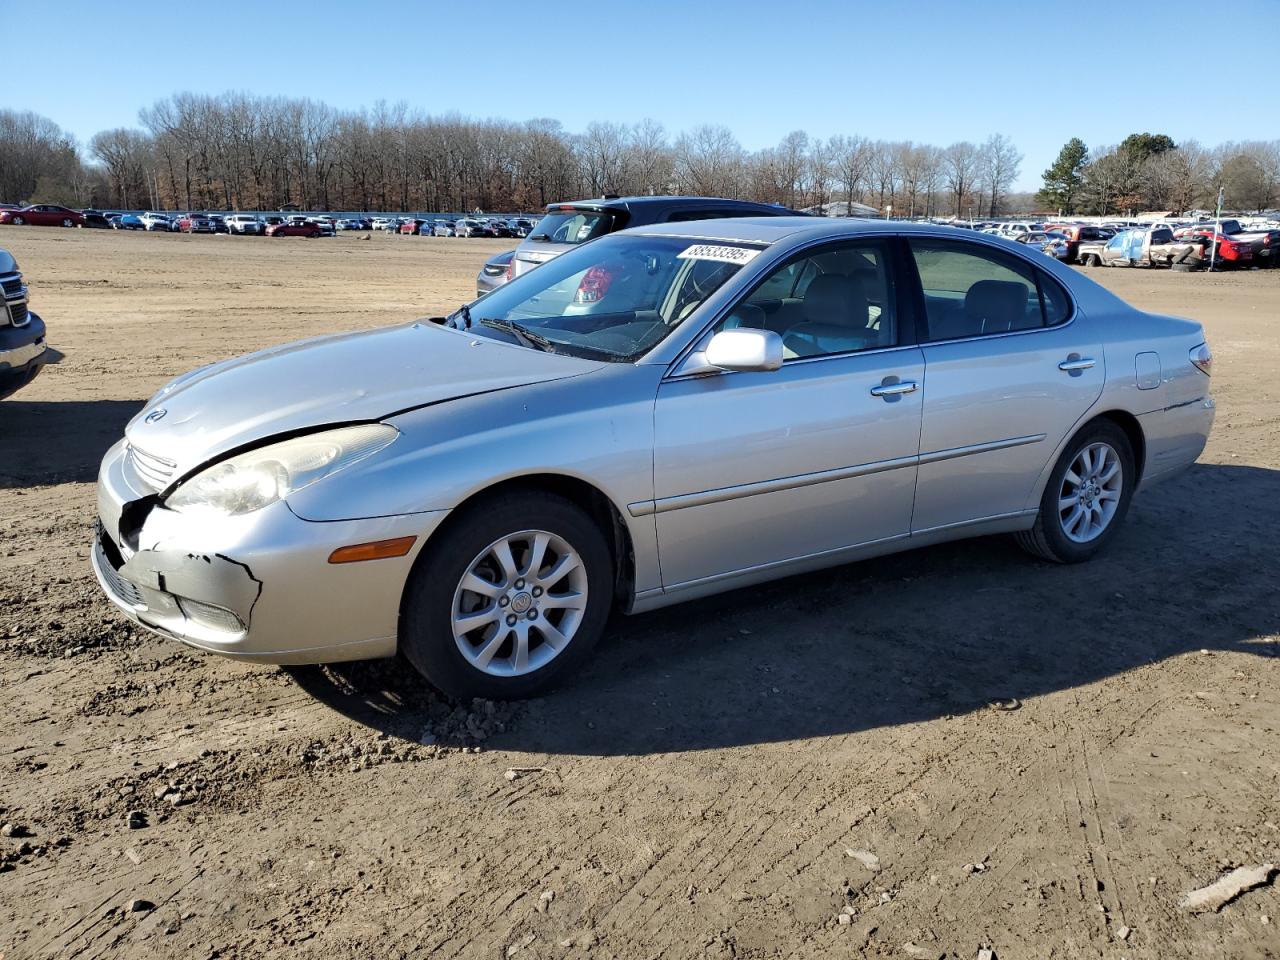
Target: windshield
pixel 614 299
pixel 574 226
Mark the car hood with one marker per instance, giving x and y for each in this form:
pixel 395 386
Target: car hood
pixel 337 379
pixel 7 263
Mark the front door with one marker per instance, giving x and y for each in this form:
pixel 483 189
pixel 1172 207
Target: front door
pixel 752 470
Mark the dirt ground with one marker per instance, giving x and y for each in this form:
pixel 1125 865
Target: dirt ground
pixel 701 790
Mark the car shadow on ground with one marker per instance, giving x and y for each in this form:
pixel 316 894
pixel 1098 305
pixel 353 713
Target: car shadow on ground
pixel 913 637
pixel 47 442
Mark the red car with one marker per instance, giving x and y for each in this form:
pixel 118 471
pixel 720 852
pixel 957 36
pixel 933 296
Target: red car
pixel 43 215
pixel 307 229
pixel 410 228
pixel 1237 253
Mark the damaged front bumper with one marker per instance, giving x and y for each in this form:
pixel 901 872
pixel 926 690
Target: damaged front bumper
pixel 255 587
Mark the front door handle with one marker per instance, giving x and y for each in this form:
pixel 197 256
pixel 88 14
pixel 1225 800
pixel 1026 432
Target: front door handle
pixel 894 389
pixel 1076 363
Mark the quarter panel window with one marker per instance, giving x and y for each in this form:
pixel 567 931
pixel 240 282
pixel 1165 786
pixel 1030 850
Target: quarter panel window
pixel 837 300
pixel 971 291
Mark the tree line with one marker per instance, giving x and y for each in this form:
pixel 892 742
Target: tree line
pixel 238 151
pixel 1148 171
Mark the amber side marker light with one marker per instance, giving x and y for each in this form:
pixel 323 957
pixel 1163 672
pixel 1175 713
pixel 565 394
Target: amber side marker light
pixel 377 550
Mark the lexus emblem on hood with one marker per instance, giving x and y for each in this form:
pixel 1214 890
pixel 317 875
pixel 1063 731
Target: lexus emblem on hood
pixel 155 415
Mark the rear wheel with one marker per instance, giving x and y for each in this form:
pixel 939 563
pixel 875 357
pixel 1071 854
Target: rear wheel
pixel 508 599
pixel 1086 498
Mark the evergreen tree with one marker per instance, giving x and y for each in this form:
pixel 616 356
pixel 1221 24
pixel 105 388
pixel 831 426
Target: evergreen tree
pixel 1062 180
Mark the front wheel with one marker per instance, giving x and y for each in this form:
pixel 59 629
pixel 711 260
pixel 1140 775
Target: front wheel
pixel 1086 498
pixel 18 221
pixel 68 222
pixel 508 599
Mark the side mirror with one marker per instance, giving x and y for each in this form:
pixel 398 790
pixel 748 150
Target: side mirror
pixel 742 349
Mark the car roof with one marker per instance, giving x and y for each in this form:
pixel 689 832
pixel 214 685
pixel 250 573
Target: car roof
pixel 656 206
pixel 771 229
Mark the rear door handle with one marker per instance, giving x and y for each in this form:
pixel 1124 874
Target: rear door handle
pixel 894 389
pixel 1081 363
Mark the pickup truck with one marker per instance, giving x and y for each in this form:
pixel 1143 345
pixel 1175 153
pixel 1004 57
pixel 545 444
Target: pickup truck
pixel 1150 248
pixel 23 350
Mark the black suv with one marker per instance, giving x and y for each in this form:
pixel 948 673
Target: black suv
pixel 566 225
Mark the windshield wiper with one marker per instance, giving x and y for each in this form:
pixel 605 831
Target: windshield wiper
pixel 521 332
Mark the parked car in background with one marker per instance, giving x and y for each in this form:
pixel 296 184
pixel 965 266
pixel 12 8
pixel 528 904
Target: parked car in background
pixel 495 272
pixel 128 221
pixel 298 228
pixel 496 228
pixel 409 226
pixel 565 226
pixel 328 226
pixel 1051 244
pixel 445 228
pixel 196 223
pixel 24 352
pixel 519 227
pixel 739 397
pixel 244 224
pixel 95 219
pixel 219 223
pixel 381 223
pixel 155 221
pixel 42 215
pixel 468 227
pixel 1077 233
pixel 427 228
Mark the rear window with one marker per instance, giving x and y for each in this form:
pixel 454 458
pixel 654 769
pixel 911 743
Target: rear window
pixel 574 226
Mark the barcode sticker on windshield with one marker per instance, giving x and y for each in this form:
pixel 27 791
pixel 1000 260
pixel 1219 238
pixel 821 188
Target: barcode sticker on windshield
pixel 713 251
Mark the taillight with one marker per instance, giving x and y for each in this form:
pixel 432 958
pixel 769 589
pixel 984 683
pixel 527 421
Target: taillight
pixel 594 285
pixel 1202 358
pixel 507 273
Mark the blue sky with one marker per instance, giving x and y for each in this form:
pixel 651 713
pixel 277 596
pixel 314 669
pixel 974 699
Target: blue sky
pixel 930 71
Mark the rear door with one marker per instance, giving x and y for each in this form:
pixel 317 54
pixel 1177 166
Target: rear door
pixel 1011 370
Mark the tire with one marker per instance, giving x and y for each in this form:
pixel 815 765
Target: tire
pixel 68 222
pixel 19 221
pixel 1053 538
pixel 435 598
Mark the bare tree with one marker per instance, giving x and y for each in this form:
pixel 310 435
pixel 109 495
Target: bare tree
pixel 998 164
pixel 960 167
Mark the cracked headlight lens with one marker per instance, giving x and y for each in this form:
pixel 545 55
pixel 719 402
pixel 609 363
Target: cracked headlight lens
pixel 250 481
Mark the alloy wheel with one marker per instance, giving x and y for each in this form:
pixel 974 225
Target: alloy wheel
pixel 1090 493
pixel 520 603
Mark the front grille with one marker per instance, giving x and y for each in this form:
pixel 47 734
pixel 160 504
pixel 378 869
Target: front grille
pixel 18 314
pixel 120 588
pixel 11 284
pixel 153 470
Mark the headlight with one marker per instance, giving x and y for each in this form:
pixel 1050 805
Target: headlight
pixel 253 480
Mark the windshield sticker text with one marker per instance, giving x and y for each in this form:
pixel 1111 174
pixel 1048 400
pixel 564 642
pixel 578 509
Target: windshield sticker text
pixel 712 251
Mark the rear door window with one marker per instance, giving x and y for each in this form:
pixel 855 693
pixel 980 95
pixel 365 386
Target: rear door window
pixel 971 291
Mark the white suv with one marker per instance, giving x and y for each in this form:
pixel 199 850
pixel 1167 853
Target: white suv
pixel 244 223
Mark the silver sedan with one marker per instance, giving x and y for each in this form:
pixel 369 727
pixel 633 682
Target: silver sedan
pixel 662 414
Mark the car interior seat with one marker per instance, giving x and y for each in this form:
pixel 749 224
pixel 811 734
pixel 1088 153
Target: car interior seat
pixel 995 306
pixel 836 315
